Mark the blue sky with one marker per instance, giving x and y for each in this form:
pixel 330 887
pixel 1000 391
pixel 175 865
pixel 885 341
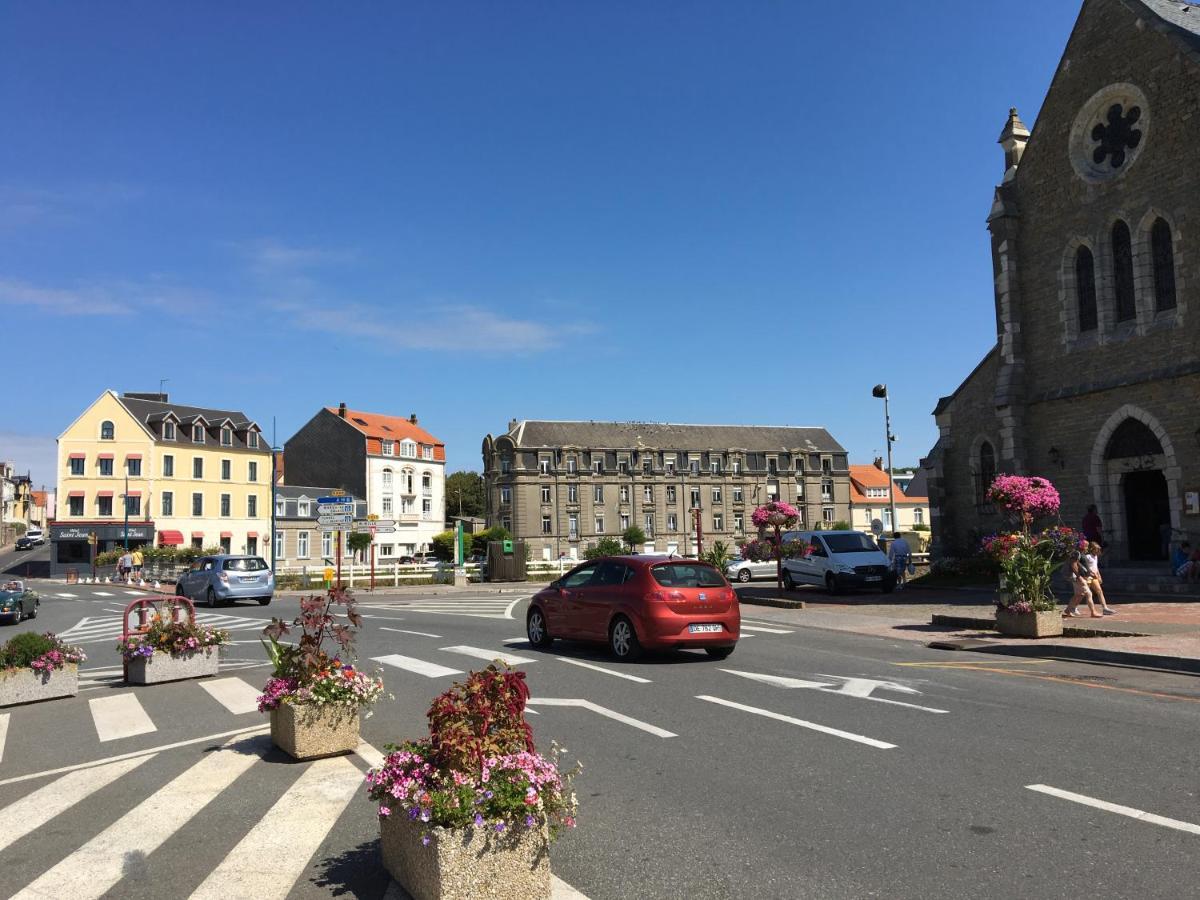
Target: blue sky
pixel 691 212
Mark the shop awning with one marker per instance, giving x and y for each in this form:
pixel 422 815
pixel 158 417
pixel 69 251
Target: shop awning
pixel 104 493
pixel 226 534
pixel 252 534
pixel 78 456
pixel 103 456
pixel 133 456
pixel 198 534
pixel 75 494
pixel 170 538
pixel 133 493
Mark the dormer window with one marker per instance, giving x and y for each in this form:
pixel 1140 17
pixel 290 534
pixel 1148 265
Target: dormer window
pixel 168 431
pixel 302 507
pixel 570 465
pixel 427 452
pixel 389 448
pixel 408 449
pixel 252 440
pixel 197 434
pixel 280 506
pixel 226 436
pixel 106 431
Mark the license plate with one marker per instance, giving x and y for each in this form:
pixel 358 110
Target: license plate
pixel 874 578
pixel 704 629
pixel 246 578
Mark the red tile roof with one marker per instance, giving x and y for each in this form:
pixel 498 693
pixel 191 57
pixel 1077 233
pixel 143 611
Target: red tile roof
pixel 863 477
pixel 39 498
pixel 379 428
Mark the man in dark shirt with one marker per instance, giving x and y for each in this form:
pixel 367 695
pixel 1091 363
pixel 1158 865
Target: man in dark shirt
pixel 1093 528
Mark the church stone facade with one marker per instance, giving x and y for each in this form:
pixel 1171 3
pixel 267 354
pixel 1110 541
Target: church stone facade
pixel 1094 381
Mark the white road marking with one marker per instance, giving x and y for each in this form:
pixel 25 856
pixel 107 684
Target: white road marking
pixel 560 890
pixel 69 596
pixel 607 713
pixel 149 751
pixel 94 630
pixel 119 717
pixel 93 869
pixel 288 835
pixel 369 754
pixel 779 680
pixel 34 810
pixel 134 594
pixel 102 593
pixel 3 736
pixel 767 630
pixel 824 729
pixel 508 609
pixel 490 655
pixel 596 668
pixel 417 666
pixel 406 631
pixel 1140 815
pixel 233 694
pixel 859 688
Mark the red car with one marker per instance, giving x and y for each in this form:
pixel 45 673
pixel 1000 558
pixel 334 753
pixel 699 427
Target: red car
pixel 636 603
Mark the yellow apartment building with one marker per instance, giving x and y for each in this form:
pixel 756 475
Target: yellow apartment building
pixel 138 466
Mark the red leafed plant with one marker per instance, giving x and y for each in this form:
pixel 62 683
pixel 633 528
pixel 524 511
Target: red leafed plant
pixel 481 718
pixel 319 621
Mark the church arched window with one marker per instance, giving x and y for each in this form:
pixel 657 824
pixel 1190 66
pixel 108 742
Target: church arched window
pixel 1122 260
pixel 1085 289
pixel 1162 251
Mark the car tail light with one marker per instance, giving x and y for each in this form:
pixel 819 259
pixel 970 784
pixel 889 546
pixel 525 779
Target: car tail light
pixel 224 577
pixel 731 595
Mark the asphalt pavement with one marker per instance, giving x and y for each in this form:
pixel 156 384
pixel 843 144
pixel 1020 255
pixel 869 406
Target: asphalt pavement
pixel 810 763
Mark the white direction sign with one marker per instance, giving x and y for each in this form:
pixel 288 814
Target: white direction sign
pixel 331 527
pixel 335 508
pixel 335 520
pixel 860 688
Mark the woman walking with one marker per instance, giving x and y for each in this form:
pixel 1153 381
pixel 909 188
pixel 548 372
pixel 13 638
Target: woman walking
pixel 1079 588
pixel 1091 562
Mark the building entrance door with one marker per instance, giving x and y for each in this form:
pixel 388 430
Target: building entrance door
pixel 1147 509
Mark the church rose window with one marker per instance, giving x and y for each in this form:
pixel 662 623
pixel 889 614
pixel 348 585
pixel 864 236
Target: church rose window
pixel 1116 134
pixel 1109 132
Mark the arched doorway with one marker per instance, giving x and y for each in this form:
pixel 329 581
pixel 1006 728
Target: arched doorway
pixel 1147 509
pixel 1135 461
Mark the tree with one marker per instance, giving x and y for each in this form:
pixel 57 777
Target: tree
pixel 468 488
pixel 359 541
pixel 633 537
pixel 607 546
pixel 719 556
pixel 443 546
pixel 479 542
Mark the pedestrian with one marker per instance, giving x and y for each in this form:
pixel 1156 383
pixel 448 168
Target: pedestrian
pixel 1079 588
pixel 125 566
pixel 899 555
pixel 136 559
pixel 1093 528
pixel 1091 561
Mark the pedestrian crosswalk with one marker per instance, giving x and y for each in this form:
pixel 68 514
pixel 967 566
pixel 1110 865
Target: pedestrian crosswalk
pixel 482 606
pixel 95 629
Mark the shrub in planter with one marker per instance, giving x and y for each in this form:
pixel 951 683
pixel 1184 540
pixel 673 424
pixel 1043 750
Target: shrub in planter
pixel 38 667
pixel 171 648
pixel 315 696
pixel 470 810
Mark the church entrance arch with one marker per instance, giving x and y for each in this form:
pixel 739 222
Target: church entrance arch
pixel 1135 481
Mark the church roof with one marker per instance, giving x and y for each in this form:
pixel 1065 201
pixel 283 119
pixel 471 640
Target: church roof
pixel 1178 15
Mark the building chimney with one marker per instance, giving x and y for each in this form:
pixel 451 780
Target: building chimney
pixel 512 425
pixel 341 410
pixel 1013 139
pixel 412 418
pixel 879 463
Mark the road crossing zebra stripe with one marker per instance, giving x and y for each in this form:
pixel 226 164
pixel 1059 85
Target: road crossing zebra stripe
pixel 416 666
pixel 68 596
pixel 3 733
pixel 34 810
pixel 288 835
pixel 93 869
pixel 119 716
pixel 233 694
pixel 480 653
pixel 746 627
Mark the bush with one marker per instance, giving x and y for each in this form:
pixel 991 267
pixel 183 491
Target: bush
pixel 920 528
pixel 24 648
pixel 841 525
pixel 604 547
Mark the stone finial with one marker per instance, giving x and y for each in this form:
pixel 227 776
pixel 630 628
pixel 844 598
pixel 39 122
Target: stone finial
pixel 1013 139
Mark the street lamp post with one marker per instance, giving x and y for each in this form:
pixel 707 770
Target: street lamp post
pixel 881 391
pixel 274 484
pixel 125 503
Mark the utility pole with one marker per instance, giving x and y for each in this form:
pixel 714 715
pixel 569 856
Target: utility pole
pixel 125 502
pixel 882 391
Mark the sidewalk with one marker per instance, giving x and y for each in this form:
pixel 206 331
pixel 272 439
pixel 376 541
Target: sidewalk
pixel 1149 634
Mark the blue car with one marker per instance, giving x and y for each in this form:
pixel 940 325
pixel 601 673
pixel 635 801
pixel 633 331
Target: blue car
pixel 220 580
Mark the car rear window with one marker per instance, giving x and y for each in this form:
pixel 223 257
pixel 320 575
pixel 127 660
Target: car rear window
pixel 245 564
pixel 690 575
pixel 850 543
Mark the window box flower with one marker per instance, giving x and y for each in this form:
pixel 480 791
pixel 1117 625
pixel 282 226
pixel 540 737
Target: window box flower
pixel 35 667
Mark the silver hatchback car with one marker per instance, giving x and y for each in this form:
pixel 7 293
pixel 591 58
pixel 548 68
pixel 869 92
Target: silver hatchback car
pixel 218 580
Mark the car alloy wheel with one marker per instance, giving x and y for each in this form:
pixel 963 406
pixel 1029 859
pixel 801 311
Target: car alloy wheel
pixel 622 640
pixel 211 597
pixel 743 575
pixel 831 584
pixel 788 583
pixel 535 628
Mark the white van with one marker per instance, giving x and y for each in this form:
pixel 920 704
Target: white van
pixel 840 560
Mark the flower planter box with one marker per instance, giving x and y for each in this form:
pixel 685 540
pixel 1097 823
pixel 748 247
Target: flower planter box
pixel 28 686
pixel 164 666
pixel 1029 624
pixel 310 732
pixel 466 863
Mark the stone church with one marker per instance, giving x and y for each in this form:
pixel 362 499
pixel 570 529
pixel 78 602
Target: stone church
pixel 1094 380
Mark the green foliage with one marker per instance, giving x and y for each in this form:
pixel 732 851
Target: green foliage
pixel 841 525
pixel 606 546
pixel 320 624
pixel 481 718
pixel 359 541
pixel 24 648
pixel 633 537
pixel 443 546
pixel 719 556
pixel 470 486
pixel 920 528
pixel 479 542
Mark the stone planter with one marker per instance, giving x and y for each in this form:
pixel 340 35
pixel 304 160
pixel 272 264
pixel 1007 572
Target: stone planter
pixel 1030 624
pixel 28 686
pixel 310 732
pixel 466 863
pixel 164 666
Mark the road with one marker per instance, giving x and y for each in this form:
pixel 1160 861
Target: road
pixel 810 763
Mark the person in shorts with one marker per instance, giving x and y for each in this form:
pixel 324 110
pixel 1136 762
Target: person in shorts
pixel 1080 590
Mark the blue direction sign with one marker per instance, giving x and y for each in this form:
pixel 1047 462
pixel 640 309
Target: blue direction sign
pixel 342 499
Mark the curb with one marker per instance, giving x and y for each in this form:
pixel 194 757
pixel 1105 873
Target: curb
pixel 1179 664
pixel 982 624
pixel 779 602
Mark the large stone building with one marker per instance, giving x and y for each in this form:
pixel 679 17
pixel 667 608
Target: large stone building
pixel 1095 375
pixel 561 486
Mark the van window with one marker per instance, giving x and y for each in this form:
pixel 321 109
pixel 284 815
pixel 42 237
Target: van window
pixel 691 575
pixel 245 564
pixel 850 543
pixel 818 549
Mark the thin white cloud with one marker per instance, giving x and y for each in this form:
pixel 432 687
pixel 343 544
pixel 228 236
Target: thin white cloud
pixel 457 327
pixel 269 256
pixel 76 301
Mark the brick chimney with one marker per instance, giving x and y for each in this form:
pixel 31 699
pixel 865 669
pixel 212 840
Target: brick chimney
pixel 879 463
pixel 341 410
pixel 412 418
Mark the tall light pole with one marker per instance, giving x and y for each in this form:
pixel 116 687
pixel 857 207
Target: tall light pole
pixel 125 503
pixel 881 390
pixel 274 484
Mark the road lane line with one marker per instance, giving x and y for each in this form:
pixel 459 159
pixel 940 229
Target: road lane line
pixel 1139 814
pixel 93 869
pixel 508 609
pixel 600 710
pixel 824 729
pixel 102 593
pixel 596 668
pixel 3 733
pixel 416 666
pixel 745 627
pixel 32 811
pixel 490 655
pixel 406 631
pixel 288 835
pixel 233 694
pixel 69 596
pixel 119 717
